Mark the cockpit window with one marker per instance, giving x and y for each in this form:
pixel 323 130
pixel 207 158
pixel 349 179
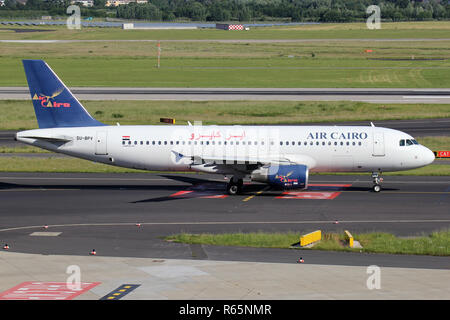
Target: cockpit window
pixel 407 142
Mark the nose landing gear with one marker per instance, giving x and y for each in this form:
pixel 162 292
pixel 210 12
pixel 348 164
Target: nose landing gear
pixel 377 180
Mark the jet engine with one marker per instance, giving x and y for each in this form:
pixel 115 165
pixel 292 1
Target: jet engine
pixel 283 176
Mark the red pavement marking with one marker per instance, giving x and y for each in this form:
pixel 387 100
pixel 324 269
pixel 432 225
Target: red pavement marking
pixel 315 195
pixel 181 193
pixel 309 195
pixel 204 194
pixel 329 185
pixel 35 290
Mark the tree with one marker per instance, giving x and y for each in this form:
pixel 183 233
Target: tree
pixel 99 3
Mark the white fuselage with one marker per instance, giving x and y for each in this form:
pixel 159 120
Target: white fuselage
pixel 321 148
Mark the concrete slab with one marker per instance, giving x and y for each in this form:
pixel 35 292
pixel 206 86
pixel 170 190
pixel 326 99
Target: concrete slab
pixel 201 279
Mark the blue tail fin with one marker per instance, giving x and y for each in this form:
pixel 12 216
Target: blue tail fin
pixel 55 106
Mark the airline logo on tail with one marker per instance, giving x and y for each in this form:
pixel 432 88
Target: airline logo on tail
pixel 49 101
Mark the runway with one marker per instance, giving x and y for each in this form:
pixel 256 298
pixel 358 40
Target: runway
pixel 85 211
pixel 281 94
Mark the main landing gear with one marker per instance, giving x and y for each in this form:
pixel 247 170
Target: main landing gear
pixel 377 180
pixel 235 186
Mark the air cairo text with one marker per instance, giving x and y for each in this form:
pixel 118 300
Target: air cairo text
pixel 338 135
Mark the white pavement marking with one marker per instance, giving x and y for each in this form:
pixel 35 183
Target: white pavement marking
pixel 45 234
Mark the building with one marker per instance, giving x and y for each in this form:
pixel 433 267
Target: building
pixel 84 3
pixel 116 3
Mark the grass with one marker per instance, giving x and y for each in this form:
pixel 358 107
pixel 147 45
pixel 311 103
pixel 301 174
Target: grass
pixel 437 243
pixel 332 63
pixel 435 143
pixel 245 72
pixel 19 114
pixel 22 164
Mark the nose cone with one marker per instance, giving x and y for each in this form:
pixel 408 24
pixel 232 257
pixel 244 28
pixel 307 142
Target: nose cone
pixel 428 156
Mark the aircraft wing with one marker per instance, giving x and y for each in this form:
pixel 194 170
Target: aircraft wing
pixel 259 161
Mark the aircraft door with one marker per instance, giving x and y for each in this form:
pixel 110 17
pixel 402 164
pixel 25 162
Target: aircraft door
pixel 378 144
pixel 101 143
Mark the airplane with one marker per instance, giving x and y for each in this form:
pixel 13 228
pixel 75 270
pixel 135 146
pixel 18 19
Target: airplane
pixel 280 156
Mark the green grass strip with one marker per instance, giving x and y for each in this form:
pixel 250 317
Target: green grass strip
pixel 19 114
pixel 437 243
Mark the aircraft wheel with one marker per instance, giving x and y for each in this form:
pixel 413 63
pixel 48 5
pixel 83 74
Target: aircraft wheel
pixel 376 188
pixel 234 188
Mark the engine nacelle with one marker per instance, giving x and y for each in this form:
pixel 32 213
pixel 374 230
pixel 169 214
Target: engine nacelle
pixel 283 176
